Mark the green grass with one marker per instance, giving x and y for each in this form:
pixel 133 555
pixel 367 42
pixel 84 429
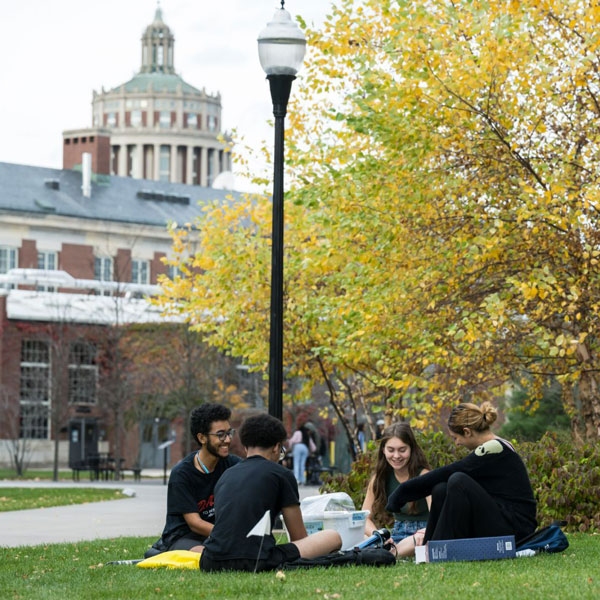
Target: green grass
pixel 24 498
pixel 77 571
pixel 46 475
pixel 34 474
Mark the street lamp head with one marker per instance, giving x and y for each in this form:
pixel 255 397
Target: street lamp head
pixel 281 45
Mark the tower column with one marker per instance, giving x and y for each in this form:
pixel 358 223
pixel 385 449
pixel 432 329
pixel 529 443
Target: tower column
pixel 189 164
pixel 138 162
pixel 123 160
pixel 203 166
pixel 173 166
pixel 156 174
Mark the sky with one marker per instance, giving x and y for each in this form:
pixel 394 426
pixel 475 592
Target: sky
pixel 53 53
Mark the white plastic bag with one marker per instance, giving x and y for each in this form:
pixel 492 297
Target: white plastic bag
pixel 317 505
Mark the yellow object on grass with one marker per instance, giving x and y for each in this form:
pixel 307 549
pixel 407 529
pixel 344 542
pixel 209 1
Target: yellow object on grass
pixel 174 559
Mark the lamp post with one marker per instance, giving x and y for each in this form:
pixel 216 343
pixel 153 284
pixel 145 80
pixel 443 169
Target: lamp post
pixel 281 47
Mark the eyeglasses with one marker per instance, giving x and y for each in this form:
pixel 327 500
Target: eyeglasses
pixel 282 452
pixel 222 435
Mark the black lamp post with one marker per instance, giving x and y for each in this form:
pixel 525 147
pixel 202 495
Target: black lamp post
pixel 281 47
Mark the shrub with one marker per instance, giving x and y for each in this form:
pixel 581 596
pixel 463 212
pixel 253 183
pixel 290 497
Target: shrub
pixel 565 477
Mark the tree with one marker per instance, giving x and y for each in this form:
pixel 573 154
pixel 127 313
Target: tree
pixel 177 371
pixel 442 226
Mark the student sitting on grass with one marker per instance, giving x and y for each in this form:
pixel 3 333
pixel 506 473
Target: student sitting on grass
pixel 486 494
pixel 190 495
pixel 399 459
pixel 243 496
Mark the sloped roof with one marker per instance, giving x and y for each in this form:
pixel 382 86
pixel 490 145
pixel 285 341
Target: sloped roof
pixel 23 189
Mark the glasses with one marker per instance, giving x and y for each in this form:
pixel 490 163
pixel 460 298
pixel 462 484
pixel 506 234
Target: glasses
pixel 282 452
pixel 223 435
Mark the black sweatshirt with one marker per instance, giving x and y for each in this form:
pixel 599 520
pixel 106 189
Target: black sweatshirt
pixel 496 467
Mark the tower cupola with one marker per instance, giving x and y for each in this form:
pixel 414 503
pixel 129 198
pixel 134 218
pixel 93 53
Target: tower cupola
pixel 157 46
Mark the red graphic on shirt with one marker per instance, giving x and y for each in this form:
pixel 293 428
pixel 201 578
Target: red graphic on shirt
pixel 206 503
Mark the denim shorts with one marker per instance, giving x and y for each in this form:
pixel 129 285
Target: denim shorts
pixel 403 529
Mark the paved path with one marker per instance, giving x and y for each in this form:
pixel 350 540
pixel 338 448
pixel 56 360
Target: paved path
pixel 142 515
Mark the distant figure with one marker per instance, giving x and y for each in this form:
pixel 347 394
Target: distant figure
pixel 380 428
pixel 361 436
pixel 190 495
pixel 302 445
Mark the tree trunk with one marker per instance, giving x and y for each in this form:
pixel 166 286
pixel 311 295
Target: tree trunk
pixel 590 406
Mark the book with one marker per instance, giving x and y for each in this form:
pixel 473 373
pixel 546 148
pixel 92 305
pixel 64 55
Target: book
pixel 487 548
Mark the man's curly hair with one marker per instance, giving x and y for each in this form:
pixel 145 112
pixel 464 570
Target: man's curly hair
pixel 262 431
pixel 203 416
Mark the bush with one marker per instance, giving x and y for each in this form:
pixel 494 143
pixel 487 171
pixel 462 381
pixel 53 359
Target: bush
pixel 565 478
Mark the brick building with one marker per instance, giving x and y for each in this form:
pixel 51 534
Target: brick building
pixel 66 255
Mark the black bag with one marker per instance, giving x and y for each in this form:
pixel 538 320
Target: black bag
pixel 375 557
pixel 546 539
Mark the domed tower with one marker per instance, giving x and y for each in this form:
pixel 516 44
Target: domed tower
pixel 160 127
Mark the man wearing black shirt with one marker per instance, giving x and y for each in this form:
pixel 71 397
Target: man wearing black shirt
pixel 190 496
pixel 248 499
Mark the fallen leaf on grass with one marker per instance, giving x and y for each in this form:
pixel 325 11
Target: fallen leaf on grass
pixel 476 584
pixel 327 596
pixel 280 575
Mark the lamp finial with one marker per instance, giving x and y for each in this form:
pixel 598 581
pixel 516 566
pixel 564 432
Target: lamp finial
pixel 282 3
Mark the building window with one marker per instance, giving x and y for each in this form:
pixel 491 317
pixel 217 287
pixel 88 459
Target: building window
pixel 165 163
pixel 136 118
pixel 83 373
pixel 173 272
pixel 111 119
pixel 8 258
pixel 212 123
pixel 192 120
pixel 47 261
pixel 164 119
pixel 103 268
pixel 35 389
pixel 140 270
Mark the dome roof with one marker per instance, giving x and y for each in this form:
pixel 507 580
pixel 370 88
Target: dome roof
pixel 157 82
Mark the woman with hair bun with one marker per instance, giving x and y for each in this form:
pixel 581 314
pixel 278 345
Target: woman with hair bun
pixel 487 493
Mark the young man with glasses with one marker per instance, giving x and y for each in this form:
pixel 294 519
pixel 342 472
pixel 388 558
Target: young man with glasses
pixel 248 499
pixel 190 495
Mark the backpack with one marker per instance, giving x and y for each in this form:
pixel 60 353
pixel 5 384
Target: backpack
pixel 546 539
pixel 375 557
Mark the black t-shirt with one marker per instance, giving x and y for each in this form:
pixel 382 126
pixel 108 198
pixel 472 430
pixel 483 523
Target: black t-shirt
pixel 242 497
pixel 190 491
pixel 497 468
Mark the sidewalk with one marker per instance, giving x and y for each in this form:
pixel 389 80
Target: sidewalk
pixel 143 515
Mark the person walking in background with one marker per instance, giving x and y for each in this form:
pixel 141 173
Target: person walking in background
pixel 399 458
pixel 301 444
pixel 380 428
pixel 487 493
pixel 361 436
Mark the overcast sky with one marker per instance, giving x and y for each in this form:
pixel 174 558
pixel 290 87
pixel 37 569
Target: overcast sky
pixel 53 53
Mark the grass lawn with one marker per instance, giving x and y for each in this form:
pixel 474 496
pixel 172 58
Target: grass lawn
pixel 46 475
pixel 43 474
pixel 24 498
pixel 76 571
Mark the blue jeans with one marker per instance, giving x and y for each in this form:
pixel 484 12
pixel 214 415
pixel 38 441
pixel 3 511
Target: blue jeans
pixel 300 453
pixel 403 529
